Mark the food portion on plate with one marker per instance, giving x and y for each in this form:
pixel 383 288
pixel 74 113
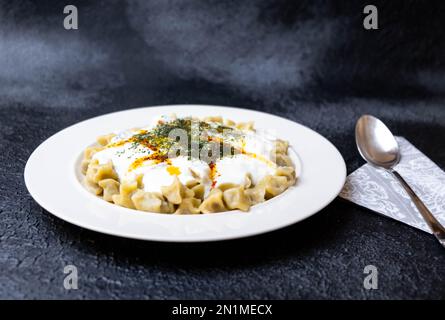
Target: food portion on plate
pixel 188 166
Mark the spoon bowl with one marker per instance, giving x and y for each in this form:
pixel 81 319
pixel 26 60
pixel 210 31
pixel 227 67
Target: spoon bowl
pixel 375 142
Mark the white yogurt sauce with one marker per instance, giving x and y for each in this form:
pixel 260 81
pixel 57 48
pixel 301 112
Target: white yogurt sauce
pixel 121 157
pixel 231 169
pixel 156 176
pixel 234 169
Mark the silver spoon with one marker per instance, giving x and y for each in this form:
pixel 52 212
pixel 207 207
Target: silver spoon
pixel 379 148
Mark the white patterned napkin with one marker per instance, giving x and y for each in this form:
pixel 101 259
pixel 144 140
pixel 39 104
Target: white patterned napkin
pixel 378 190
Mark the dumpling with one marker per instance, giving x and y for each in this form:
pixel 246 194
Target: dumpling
pixel 84 165
pixel 105 171
pixel 213 203
pixel 151 201
pixel 97 172
pixel 198 191
pixel 235 198
pixel 110 188
pixel 176 192
pixel 288 172
pixel 257 194
pixel 214 119
pixel 90 151
pixel 105 139
pixel 275 185
pixel 281 146
pixel 283 160
pixel 126 190
pixel 226 185
pixel 188 205
pixel 93 187
pixel 245 125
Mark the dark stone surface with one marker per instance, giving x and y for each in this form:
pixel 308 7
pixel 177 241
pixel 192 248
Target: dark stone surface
pixel 309 61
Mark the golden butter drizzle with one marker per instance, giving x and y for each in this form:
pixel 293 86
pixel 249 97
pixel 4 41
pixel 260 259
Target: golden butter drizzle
pixel 157 145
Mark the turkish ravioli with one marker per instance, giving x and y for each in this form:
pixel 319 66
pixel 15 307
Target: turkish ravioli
pixel 188 166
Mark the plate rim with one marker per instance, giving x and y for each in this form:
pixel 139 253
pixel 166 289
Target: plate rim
pixel 222 237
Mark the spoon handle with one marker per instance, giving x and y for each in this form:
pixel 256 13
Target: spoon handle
pixel 435 226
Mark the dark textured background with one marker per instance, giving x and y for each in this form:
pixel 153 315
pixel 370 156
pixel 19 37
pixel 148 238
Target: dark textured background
pixel 309 61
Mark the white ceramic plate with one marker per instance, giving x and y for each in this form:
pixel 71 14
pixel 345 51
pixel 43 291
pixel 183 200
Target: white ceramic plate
pixel 52 178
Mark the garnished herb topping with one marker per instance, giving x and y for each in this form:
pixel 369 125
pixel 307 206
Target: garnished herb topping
pixel 189 137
